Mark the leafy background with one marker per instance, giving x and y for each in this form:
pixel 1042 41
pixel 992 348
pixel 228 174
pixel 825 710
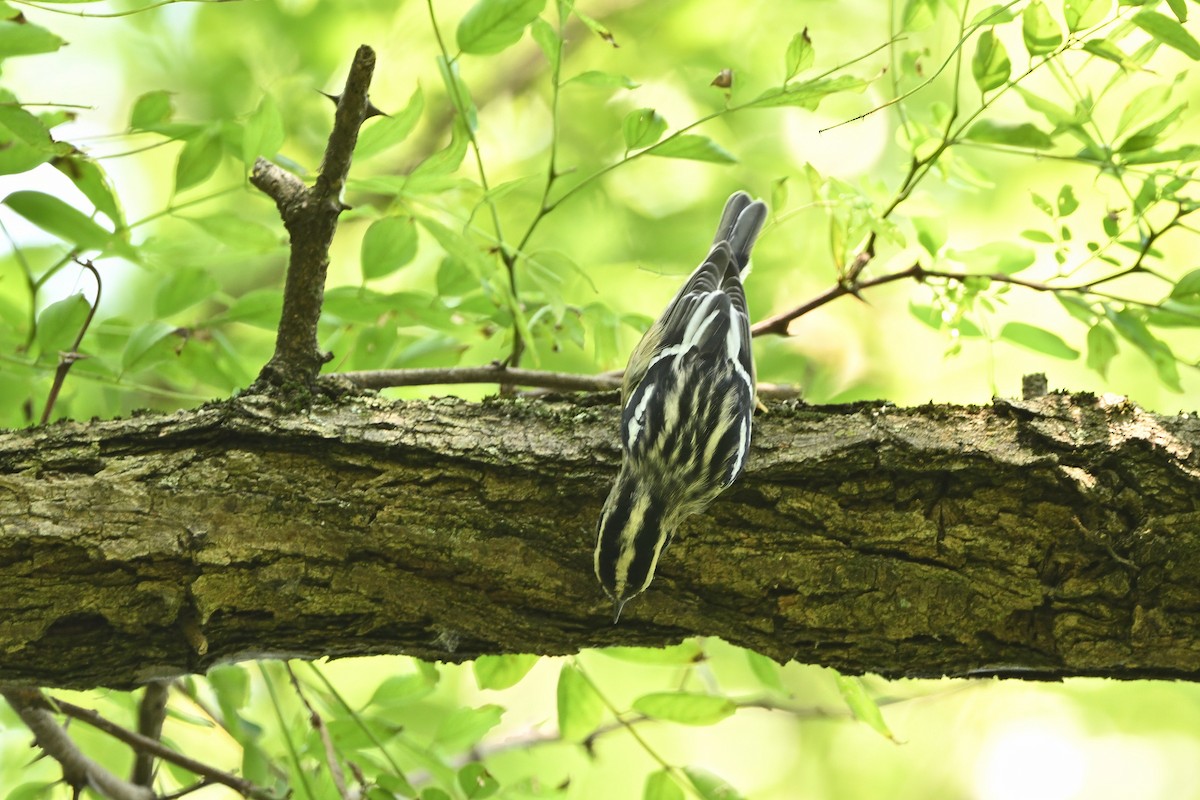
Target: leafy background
pixel 1030 162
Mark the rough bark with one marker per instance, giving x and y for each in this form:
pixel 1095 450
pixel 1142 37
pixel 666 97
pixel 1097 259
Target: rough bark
pixel 1053 537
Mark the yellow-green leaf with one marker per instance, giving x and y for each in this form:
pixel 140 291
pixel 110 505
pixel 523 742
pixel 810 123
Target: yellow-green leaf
pixel 990 66
pixel 503 671
pixel 861 705
pixel 580 708
pixel 686 708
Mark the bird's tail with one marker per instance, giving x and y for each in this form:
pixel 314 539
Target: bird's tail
pixel 740 224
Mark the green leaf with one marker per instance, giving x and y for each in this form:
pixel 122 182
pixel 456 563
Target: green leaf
pixel 766 670
pixel 56 217
pixel 580 708
pixel 183 288
pixel 548 40
pixel 59 323
pixel 476 782
pixel 32 791
pixel 990 65
pixel 385 132
pixel 686 652
pixel 605 80
pixel 661 786
pixel 1067 203
pixel 490 26
pixel 264 134
pixel 1077 307
pixel 149 344
pixel 26 39
pixel 800 55
pixel 444 161
pixel 861 705
pixel 1006 258
pixel 1082 14
pixel 1168 31
pixel 1025 134
pixel 93 182
pixel 709 786
pixel 1041 237
pixel 1147 137
pixel 459 94
pixel 1101 347
pixel 694 148
pixel 642 128
pixel 434 793
pixel 503 671
pixel 931 233
pixel 199 158
pixel 1038 339
pixel 462 728
pixel 1187 289
pixel 238 233
pixel 1130 326
pixel 807 94
pixel 25 141
pixel 992 15
pixel 389 244
pixel 150 110
pixel 686 708
pixel 1105 49
pixel 259 307
pixel 918 15
pixel 1039 29
pixel 399 690
pixel 1179 9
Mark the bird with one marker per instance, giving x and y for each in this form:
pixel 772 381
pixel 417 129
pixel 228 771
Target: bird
pixel 687 400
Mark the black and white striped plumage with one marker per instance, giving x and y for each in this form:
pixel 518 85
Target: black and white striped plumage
pixel 687 403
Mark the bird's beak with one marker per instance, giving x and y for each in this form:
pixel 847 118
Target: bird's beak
pixel 617 606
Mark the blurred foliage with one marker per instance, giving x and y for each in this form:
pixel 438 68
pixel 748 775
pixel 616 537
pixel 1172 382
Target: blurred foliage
pixel 1009 186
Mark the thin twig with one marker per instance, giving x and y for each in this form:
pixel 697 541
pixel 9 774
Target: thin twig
pixel 151 713
pixel 499 374
pixel 71 355
pixel 79 771
pixel 34 699
pixel 331 754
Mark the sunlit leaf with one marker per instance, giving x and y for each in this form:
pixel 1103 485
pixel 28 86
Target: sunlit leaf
pixel 151 109
pixel 1038 339
pixel 502 671
pixel 25 39
pixel 148 345
pixel 476 782
pixel 199 158
pixel 661 786
pixel 183 288
pixel 1039 29
pixel 59 219
pixel 384 132
pixel 686 708
pixel 490 26
pixel 862 705
pixel 1067 202
pixel 1024 134
pixel 60 322
pixel 264 134
pixel 548 40
pixel 709 786
pixel 807 94
pixel 918 14
pixel 606 80
pixel 642 128
pixel 464 727
pixel 694 148
pixel 1082 14
pixel 766 670
pixel 1101 347
pixel 90 178
pixel 990 66
pixel 389 244
pixel 686 652
pixel 800 55
pixel 580 708
pixel 1132 328
pixel 1003 257
pixel 1167 31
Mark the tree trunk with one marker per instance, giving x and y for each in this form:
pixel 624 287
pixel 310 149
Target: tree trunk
pixel 1053 537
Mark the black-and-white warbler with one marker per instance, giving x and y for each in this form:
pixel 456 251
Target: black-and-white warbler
pixel 687 401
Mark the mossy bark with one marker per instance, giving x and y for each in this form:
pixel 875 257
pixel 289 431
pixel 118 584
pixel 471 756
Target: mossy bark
pixel 1059 536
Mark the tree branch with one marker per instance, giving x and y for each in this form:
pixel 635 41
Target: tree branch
pixel 310 217
pixel 152 710
pixel 79 771
pixel 1051 537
